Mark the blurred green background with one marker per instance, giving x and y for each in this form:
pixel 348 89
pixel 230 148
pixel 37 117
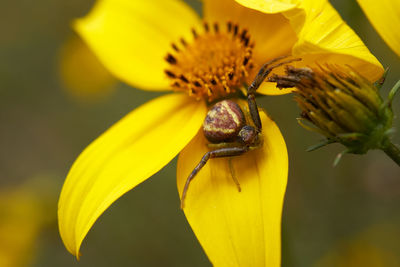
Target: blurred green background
pixel 342 216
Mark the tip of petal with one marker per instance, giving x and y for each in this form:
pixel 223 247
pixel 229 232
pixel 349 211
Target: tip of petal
pixel 269 7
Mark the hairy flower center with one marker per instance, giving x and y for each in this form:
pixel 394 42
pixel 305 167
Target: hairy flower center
pixel 214 65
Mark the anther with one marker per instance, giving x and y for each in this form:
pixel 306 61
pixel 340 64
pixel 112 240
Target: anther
pixel 246 41
pixel 243 35
pixel 196 83
pixel 229 26
pixel 235 29
pixel 170 74
pixel 245 61
pixel 170 59
pixel 194 33
pixel 175 47
pixel 183 42
pixel 183 78
pixel 230 75
pixel 213 81
pixel 206 27
pixel 216 27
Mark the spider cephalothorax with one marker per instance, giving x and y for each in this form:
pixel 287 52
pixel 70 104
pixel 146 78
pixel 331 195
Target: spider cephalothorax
pixel 226 127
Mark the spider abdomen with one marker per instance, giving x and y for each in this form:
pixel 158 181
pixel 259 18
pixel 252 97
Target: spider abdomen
pixel 223 122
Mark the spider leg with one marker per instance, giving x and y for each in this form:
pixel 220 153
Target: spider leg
pixel 259 77
pixel 233 173
pixel 251 90
pixel 265 70
pixel 218 153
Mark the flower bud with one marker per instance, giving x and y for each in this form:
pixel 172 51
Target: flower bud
pixel 342 105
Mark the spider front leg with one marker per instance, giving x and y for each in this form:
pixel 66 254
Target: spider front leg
pixel 251 90
pixel 218 153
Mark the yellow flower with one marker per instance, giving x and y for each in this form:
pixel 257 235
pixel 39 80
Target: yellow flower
pixel 384 16
pixel 25 211
pixel 374 246
pixel 20 224
pixel 150 45
pixel 83 76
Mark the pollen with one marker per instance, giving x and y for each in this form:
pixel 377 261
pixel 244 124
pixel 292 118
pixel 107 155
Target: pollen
pixel 214 65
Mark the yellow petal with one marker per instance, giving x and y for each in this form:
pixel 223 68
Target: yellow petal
pixel 385 16
pixel 325 37
pixel 238 228
pixel 269 6
pixel 83 76
pixel 128 153
pixel 268 88
pixel 132 38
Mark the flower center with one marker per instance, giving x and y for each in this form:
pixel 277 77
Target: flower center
pixel 214 65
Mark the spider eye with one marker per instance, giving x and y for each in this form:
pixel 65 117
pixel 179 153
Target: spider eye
pixel 248 135
pixel 223 122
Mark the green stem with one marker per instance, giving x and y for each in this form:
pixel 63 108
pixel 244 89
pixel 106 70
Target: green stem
pixel 393 152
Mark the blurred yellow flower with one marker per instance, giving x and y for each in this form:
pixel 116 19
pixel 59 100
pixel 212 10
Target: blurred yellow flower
pixel 24 212
pixel 385 17
pixel 150 45
pixel 358 253
pixel 377 246
pixel 82 74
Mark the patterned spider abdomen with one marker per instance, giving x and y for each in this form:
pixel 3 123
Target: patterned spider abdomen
pixel 223 122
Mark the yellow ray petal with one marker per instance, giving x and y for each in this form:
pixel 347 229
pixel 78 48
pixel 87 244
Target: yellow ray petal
pixel 325 37
pixel 268 88
pixel 238 228
pixel 385 16
pixel 322 37
pixel 128 153
pixel 132 38
pixel 270 6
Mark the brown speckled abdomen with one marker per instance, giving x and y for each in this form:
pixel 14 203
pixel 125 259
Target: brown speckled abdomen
pixel 223 122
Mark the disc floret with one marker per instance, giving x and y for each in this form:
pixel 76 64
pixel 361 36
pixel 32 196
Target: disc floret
pixel 214 65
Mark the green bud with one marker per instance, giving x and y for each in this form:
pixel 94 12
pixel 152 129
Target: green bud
pixel 342 105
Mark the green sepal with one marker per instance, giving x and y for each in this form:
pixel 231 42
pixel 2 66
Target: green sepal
pixel 379 83
pixel 392 94
pixel 339 157
pixel 319 145
pixel 311 128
